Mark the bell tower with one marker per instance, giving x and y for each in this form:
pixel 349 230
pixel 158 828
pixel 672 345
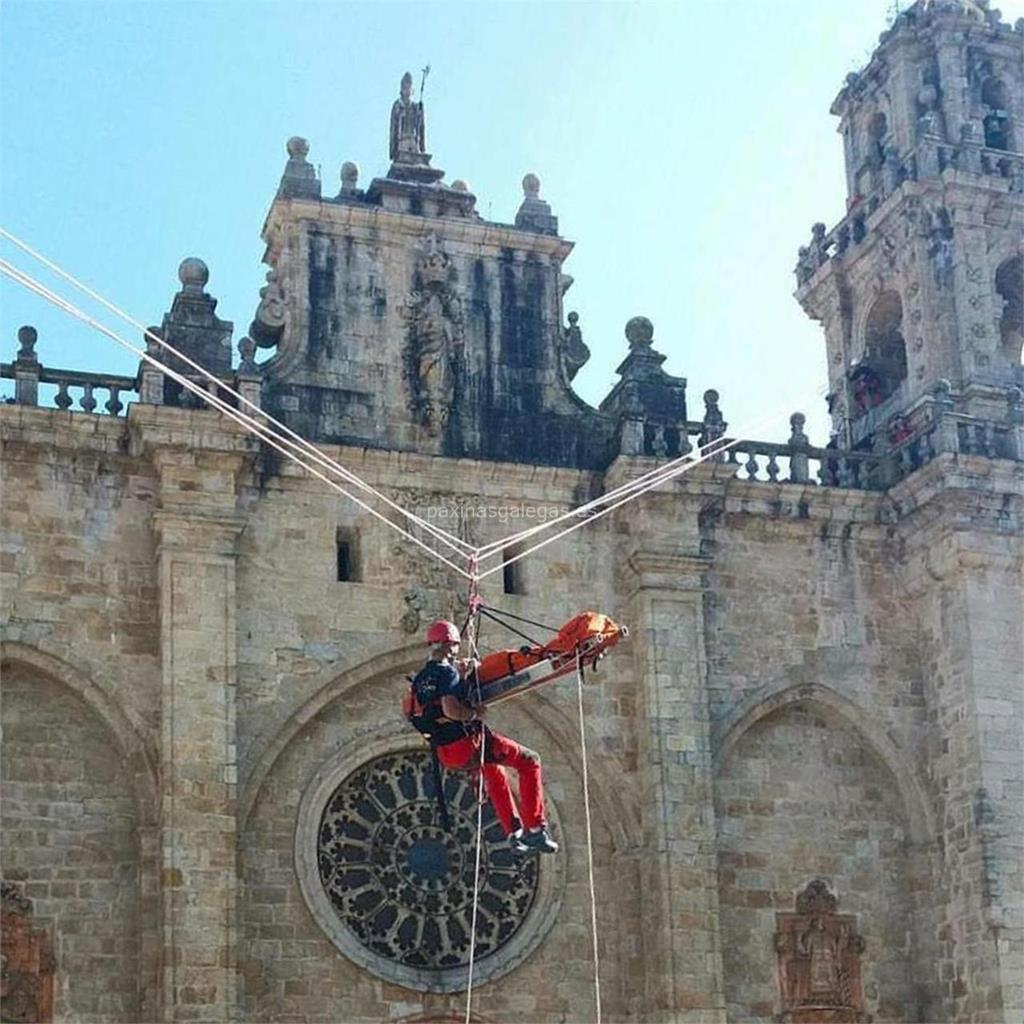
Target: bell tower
pixel 919 285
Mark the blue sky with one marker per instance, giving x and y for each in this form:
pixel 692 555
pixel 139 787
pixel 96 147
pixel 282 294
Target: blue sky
pixel 686 148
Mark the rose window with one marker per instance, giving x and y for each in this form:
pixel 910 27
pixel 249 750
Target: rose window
pixel 401 883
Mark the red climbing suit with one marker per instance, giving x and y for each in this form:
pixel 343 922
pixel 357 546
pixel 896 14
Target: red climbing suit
pixel 500 753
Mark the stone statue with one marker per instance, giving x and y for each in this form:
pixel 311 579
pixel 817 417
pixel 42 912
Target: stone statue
pixel 408 133
pixel 818 961
pixel 823 950
pixel 574 351
pixel 434 332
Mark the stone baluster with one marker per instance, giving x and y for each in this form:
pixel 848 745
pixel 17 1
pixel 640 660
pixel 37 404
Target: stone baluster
pixel 945 435
pixel 773 468
pixel 248 378
pixel 151 380
pixel 1015 418
pixel 799 443
pixel 87 401
pixel 63 400
pixel 751 466
pixel 114 404
pixel 26 368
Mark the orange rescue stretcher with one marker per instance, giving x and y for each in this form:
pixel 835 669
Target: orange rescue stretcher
pixel 509 673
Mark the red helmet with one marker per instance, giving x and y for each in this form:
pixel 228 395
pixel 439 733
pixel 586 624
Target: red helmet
pixel 443 632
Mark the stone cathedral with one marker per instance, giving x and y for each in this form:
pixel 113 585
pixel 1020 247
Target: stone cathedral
pixel 805 765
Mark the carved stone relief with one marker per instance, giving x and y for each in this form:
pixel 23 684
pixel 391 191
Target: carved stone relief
pixel 818 963
pixel 434 337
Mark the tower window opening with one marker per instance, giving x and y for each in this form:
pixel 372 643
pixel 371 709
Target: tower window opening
pixel 349 569
pixel 883 366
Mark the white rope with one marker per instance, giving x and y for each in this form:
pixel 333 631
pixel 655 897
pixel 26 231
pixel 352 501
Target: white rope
pixel 28 282
pixel 678 471
pixel 590 839
pixel 450 539
pixel 663 472
pixel 471 635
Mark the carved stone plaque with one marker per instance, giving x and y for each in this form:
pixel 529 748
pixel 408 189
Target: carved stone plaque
pixel 819 961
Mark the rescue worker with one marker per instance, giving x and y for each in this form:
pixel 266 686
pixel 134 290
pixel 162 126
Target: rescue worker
pixel 457 730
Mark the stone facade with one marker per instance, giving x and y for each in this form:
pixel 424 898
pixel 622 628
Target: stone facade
pixel 805 766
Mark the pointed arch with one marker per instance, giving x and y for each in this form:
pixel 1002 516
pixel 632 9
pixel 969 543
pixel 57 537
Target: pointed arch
pixel 127 734
pixel 840 710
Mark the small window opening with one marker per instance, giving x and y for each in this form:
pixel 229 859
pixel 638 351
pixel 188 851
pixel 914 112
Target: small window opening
pixel 349 569
pixel 512 574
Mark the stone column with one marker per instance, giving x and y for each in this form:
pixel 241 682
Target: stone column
pixel 679 887
pixel 197 528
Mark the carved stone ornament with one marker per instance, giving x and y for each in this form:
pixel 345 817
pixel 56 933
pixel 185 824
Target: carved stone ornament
pixel 268 324
pixel 818 961
pixel 402 883
pixel 26 961
pixel 434 338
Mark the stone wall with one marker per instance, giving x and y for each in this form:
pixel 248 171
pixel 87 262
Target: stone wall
pixel 808 693
pixel 70 839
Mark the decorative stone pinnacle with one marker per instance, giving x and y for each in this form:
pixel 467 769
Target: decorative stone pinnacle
pixel 27 337
pixel 534 214
pixel 711 398
pixel 193 273
pixel 297 147
pixel 459 185
pixel 574 318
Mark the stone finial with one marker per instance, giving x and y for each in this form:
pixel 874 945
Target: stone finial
pixel 943 392
pixel 796 434
pixel 297 147
pixel 639 332
pixel 460 186
pixel 27 337
pixel 534 214
pixel 193 274
pixel 349 177
pixel 299 179
pixel 247 365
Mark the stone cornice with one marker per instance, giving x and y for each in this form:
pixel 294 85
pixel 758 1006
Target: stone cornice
pixel 664 569
pixel 348 217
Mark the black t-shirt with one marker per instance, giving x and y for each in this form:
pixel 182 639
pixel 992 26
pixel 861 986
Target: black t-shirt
pixel 434 681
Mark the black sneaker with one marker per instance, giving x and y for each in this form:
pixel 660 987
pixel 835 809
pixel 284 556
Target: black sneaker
pixel 515 842
pixel 538 840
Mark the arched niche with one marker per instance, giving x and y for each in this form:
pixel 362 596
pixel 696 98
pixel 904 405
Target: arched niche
pixel 1009 287
pixel 803 792
pixel 883 365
